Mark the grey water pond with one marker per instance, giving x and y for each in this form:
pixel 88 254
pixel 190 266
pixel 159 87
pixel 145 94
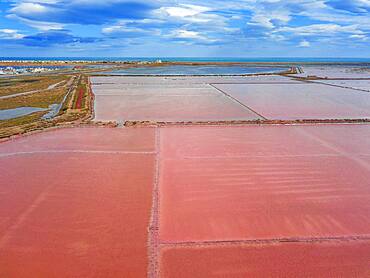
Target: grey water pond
pixel 53 111
pixel 8 114
pixel 197 70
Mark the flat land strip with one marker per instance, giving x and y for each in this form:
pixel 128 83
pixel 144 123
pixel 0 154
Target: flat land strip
pixel 334 72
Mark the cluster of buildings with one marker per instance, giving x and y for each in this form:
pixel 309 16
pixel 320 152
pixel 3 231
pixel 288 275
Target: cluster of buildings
pixel 149 62
pixel 23 70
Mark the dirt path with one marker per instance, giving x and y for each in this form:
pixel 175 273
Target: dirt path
pixel 51 87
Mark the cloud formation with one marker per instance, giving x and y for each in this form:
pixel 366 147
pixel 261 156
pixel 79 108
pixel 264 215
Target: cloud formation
pixel 80 11
pixel 239 26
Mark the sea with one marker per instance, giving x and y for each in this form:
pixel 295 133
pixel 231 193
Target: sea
pixel 195 59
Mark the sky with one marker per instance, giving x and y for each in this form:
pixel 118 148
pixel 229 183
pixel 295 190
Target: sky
pixel 202 28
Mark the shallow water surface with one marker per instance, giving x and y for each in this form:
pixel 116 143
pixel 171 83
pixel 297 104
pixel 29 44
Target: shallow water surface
pixel 196 70
pixel 53 111
pixel 18 112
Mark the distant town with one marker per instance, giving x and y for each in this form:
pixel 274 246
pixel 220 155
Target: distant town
pixel 24 70
pixel 18 67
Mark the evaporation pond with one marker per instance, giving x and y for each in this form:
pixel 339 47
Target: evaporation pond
pixel 196 70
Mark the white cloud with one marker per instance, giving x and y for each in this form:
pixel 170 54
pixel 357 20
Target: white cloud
pixel 189 14
pixel 124 29
pixel 119 28
pixel 320 29
pixel 265 18
pixel 276 37
pixel 40 25
pixel 139 26
pixel 233 22
pixel 185 10
pixel 304 43
pixel 185 34
pixel 29 8
pixel 361 37
pixel 10 34
pixel 261 20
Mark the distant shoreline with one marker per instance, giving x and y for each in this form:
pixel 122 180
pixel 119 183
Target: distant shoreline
pixel 129 64
pixel 200 60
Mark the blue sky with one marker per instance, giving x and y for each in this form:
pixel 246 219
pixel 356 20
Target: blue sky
pixel 223 28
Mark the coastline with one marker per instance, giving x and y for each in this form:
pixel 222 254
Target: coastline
pixel 127 61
